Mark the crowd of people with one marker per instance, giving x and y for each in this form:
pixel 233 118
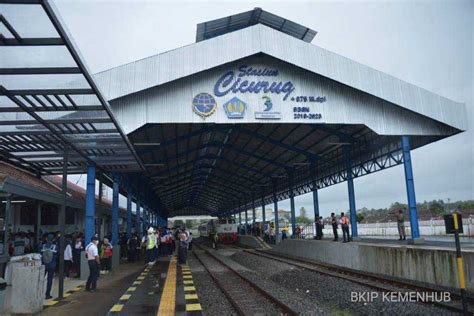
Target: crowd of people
pixel 267 232
pixel 156 242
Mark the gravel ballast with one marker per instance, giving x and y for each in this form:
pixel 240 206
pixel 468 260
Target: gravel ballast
pixel 332 294
pixel 212 301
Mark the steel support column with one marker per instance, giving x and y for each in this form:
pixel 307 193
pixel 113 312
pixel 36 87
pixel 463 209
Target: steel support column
pixel 115 209
pixel 277 225
pixel 62 223
pixel 6 233
pixel 315 202
pixel 240 217
pixel 39 205
pixel 138 221
pixel 275 206
pixel 90 204
pixel 315 191
pixel 263 210
pixel 246 216
pixel 129 215
pixel 352 205
pixel 253 212
pixel 410 184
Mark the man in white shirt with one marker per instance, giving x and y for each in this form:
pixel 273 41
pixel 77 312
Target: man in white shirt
pixel 68 258
pixel 93 260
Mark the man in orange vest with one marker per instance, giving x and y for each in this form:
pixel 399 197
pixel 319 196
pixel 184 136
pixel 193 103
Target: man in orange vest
pixel 344 221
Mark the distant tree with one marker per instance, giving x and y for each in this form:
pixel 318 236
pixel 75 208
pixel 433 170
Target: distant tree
pixel 303 220
pixel 287 217
pixel 190 223
pixel 360 217
pixel 303 212
pixel 436 207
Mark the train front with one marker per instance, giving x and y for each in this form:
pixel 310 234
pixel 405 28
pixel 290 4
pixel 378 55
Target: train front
pixel 227 230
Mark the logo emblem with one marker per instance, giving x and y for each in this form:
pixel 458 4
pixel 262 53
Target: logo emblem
pixel 204 104
pixel 268 103
pixel 235 108
pixel 267 113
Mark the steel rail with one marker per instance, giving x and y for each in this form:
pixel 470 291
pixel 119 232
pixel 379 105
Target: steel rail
pixel 286 309
pixel 362 278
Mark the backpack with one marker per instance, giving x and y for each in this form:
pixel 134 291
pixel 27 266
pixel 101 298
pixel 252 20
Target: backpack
pixel 48 254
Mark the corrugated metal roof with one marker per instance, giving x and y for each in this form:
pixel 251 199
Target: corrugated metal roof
pixel 188 60
pixel 242 20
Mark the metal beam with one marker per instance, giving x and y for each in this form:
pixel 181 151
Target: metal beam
pixel 410 185
pixel 40 71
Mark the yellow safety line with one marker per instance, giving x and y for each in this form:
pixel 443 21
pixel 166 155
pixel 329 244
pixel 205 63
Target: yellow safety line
pixel 168 298
pixel 116 308
pixel 50 303
pixel 125 297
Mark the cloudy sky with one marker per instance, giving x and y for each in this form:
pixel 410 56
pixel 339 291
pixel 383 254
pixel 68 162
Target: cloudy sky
pixel 427 43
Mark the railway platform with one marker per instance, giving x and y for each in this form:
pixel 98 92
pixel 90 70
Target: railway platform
pixel 164 288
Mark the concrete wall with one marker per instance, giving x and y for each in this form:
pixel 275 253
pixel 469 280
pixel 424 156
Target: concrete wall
pixel 428 264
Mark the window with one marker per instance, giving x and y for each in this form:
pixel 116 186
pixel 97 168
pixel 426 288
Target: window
pixel 49 215
pixel 70 216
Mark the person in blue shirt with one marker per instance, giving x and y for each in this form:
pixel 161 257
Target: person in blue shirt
pixel 49 253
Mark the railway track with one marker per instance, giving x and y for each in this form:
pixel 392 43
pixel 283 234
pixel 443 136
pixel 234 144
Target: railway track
pixel 375 282
pixel 246 297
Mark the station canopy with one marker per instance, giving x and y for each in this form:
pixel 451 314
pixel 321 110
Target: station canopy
pixel 194 148
pixel 49 101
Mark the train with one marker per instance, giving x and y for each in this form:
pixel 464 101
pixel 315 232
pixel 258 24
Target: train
pixel 224 229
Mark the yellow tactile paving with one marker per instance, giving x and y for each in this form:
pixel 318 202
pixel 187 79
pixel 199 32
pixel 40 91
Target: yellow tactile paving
pixel 186 272
pixel 125 297
pixel 116 308
pixel 137 282
pixel 168 298
pixel 188 282
pixel 131 289
pixel 189 288
pixel 190 296
pixel 50 303
pixel 187 277
pixel 193 307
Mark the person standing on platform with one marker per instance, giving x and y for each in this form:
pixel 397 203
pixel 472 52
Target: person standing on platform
pixel 344 221
pixel 150 246
pixel 401 225
pixel 334 226
pixel 106 255
pixel 319 228
pixel 132 248
pixel 78 247
pixel 68 259
pixel 158 242
pixel 48 256
pixel 93 260
pixel 183 246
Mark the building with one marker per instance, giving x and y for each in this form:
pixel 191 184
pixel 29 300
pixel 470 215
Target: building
pixel 250 114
